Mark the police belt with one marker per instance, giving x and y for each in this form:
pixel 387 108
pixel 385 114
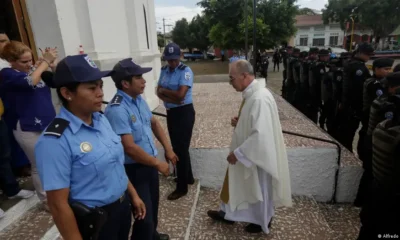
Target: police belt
pixel 91 220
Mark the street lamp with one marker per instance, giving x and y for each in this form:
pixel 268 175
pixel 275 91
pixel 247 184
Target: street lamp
pixel 352 28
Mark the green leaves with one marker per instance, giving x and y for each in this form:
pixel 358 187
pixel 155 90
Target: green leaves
pixel 275 22
pixel 181 33
pixel 380 16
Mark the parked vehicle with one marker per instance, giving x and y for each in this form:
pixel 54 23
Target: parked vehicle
pixel 197 55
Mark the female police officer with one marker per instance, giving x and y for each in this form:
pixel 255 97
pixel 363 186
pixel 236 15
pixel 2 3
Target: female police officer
pixel 175 89
pixel 80 159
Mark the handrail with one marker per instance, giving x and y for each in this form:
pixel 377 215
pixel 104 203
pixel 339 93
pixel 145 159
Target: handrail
pixel 339 148
pixel 333 200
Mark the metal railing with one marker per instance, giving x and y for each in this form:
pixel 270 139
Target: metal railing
pixel 339 148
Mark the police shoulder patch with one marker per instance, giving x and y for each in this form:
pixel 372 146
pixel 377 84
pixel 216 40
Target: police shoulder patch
pixel 164 67
pixel 359 72
pixel 389 115
pixel 182 67
pixel 56 127
pixel 187 76
pixel 116 100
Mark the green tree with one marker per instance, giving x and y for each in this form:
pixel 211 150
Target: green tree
pixel 380 16
pixel 226 15
pixel 274 17
pixel 160 40
pixel 279 15
pixel 199 29
pixel 262 33
pixel 181 33
pixel 306 11
pixel 339 11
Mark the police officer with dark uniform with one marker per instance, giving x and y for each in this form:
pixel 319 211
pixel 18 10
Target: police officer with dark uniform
pixel 80 160
pixel 304 80
pixel 380 214
pixel 285 56
pixel 316 73
pixel 330 82
pixel 298 95
pixel 290 86
pixel 373 88
pixel 355 74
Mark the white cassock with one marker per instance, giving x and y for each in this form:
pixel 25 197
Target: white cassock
pixel 260 180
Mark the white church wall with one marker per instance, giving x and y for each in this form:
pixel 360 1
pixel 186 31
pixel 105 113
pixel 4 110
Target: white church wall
pixel 108 30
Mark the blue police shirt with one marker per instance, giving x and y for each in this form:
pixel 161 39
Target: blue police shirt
pixel 86 159
pixel 132 116
pixel 28 104
pixel 173 79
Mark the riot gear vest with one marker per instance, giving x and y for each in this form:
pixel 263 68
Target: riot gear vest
pixel 337 85
pixel 290 71
pixel 386 152
pixel 372 90
pixel 296 71
pixel 327 85
pixel 355 74
pixel 381 108
pixel 317 71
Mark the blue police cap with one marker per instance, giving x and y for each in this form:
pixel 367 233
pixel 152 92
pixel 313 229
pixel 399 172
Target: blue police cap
pixel 77 69
pixel 172 52
pixel 127 68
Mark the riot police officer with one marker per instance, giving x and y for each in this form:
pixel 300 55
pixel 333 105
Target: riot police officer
pixel 298 95
pixel 355 74
pixel 304 81
pixel 80 160
pixel 380 214
pixel 316 73
pixel 285 56
pixel 290 85
pixel 373 88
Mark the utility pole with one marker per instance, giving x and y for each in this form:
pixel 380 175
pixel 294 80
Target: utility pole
pixel 168 25
pixel 254 37
pixel 247 29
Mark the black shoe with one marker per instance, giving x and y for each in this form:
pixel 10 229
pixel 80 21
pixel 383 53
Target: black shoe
pixel 218 216
pixel 176 195
pixel 162 236
pixel 253 228
pixel 190 182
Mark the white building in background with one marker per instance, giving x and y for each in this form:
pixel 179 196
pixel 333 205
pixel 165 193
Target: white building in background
pixel 108 30
pixel 311 31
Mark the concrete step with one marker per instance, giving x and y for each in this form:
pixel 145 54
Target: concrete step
pixel 304 221
pixel 174 217
pixel 32 225
pixel 343 219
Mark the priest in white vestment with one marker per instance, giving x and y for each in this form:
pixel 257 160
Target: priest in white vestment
pixel 257 179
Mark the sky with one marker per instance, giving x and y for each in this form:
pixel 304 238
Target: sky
pixel 173 10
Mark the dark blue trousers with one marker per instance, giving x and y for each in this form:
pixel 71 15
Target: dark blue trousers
pixel 146 182
pixel 8 183
pixel 119 221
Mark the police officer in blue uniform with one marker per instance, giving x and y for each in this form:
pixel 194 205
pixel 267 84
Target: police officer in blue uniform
pixel 131 118
pixel 80 160
pixel 175 89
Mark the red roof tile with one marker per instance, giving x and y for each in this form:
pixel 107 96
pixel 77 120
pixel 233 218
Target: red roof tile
pixel 307 20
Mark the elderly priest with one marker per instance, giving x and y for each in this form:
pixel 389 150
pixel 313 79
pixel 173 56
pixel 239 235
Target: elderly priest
pixel 257 179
